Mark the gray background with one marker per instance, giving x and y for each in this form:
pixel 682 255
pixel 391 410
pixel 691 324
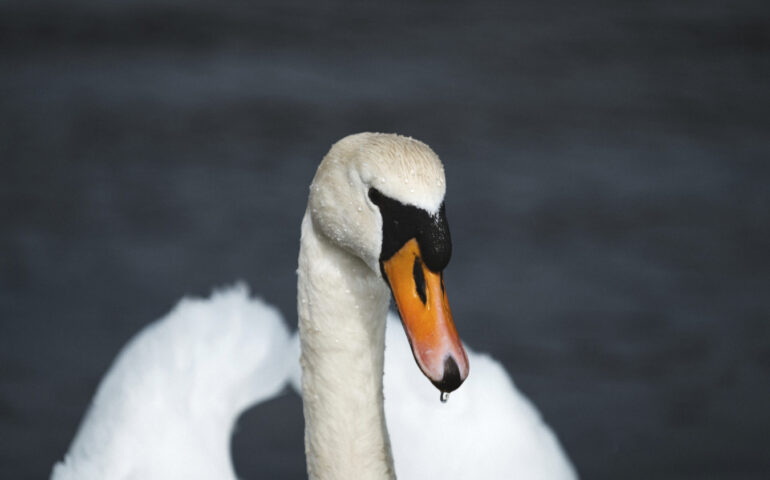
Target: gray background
pixel 607 194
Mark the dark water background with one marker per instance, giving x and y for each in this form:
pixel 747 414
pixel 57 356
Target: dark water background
pixel 608 195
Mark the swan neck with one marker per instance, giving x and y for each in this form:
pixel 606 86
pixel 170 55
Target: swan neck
pixel 342 305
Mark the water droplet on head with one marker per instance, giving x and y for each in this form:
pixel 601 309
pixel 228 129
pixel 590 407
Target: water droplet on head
pixel 444 397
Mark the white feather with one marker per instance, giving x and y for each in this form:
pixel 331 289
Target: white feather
pixel 167 406
pixel 487 428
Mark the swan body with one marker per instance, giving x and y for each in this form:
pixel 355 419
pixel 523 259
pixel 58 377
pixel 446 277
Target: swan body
pixel 167 406
pixel 375 225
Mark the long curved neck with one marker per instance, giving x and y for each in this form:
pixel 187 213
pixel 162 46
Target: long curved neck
pixel 342 306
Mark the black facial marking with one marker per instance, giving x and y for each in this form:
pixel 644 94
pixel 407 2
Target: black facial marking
pixel 400 223
pixel 419 279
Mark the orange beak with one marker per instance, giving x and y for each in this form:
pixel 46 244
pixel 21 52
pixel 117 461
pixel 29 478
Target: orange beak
pixel 427 319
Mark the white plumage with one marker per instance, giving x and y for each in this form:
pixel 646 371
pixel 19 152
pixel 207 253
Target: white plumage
pixel 487 428
pixel 167 406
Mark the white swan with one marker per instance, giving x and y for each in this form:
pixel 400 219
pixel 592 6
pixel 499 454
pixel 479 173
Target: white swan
pixel 374 220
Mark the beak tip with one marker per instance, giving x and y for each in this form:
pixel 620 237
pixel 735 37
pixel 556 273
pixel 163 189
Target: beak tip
pixel 452 378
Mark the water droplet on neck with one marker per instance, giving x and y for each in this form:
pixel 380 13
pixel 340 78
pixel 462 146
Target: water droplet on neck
pixel 444 397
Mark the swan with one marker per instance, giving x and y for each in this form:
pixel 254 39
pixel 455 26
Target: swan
pixel 375 227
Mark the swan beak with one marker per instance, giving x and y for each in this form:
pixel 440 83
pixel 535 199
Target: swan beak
pixel 427 319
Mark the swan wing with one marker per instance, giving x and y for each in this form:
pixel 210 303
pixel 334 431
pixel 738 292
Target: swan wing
pixel 167 406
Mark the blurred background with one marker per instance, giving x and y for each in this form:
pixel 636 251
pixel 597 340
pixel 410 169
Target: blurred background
pixel 607 168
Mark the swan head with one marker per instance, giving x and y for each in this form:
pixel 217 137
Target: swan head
pixel 381 198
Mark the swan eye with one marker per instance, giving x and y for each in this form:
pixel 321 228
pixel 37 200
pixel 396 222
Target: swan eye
pixel 419 279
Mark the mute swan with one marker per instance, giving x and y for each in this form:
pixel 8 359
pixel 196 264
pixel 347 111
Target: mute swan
pixel 375 225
